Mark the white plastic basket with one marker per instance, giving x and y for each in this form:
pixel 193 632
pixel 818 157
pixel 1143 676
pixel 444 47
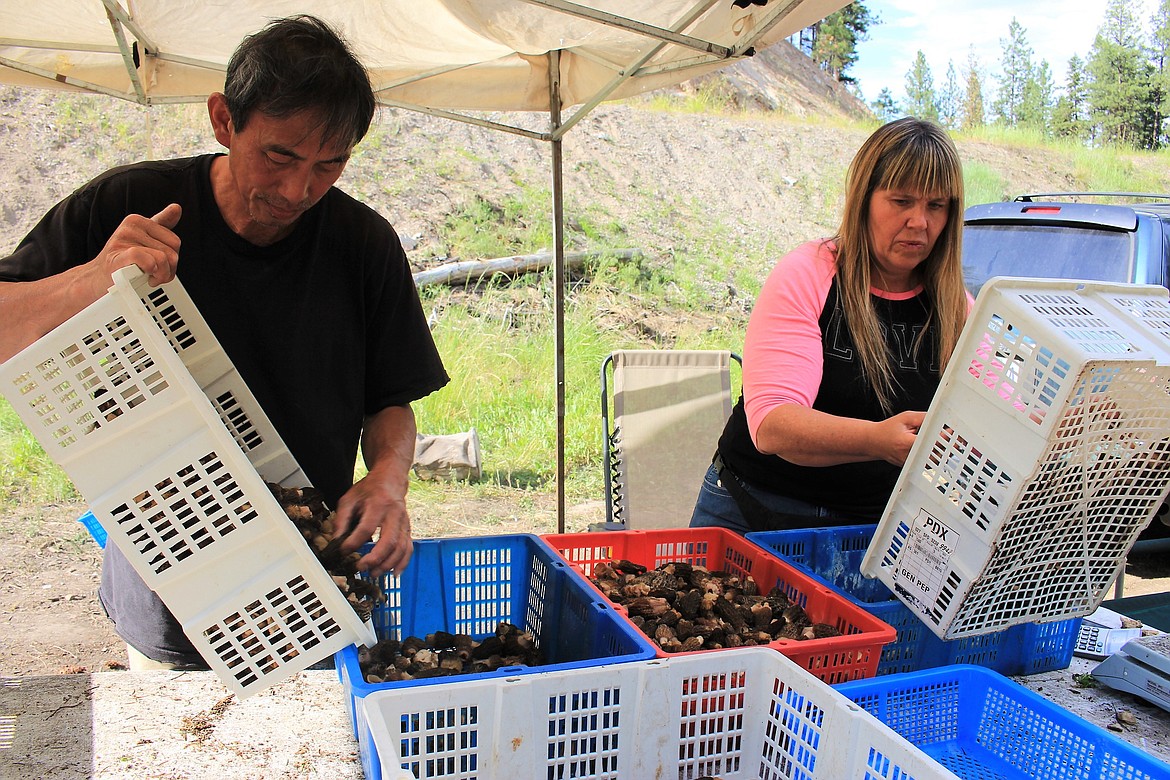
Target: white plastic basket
pixel 735 714
pixel 136 401
pixel 1042 457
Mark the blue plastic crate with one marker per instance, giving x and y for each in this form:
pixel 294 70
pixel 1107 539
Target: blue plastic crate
pixel 468 585
pixel 95 528
pixel 981 725
pixel 833 556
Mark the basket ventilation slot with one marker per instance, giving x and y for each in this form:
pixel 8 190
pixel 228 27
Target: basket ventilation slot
pixel 271 631
pixel 91 383
pixel 169 320
pixel 236 420
pixel 185 512
pixel 583 727
pixel 447 738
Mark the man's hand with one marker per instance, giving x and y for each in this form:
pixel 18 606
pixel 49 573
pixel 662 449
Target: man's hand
pixel 378 501
pixel 29 310
pixel 371 506
pixel 150 244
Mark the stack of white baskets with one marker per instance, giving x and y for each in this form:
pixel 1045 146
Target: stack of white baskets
pixel 136 401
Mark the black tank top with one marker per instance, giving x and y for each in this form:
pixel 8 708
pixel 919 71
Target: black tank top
pixel 855 489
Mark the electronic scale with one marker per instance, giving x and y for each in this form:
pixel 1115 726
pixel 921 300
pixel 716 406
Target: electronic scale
pixel 1140 667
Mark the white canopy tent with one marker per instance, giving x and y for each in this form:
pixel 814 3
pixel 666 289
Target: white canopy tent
pixel 449 58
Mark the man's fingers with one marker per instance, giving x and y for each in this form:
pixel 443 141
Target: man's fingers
pixel 168 217
pixel 159 265
pixel 387 556
pixel 166 246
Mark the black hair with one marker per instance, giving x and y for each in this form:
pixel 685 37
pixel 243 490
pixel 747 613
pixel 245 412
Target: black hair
pixel 300 64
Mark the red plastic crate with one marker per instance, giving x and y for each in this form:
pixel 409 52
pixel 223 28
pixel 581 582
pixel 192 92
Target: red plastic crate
pixel 852 656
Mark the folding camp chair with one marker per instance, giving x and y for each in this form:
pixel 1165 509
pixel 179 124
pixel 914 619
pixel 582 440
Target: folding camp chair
pixel 669 408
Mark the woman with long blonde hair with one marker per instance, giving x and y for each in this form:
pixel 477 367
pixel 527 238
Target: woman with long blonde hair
pixel 846 345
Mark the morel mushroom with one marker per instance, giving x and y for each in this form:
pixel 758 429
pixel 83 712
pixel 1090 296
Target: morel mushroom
pixel 443 654
pixel 305 507
pixel 684 608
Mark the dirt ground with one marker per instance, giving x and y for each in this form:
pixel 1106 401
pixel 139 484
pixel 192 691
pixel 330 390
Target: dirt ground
pixel 175 726
pixel 49 573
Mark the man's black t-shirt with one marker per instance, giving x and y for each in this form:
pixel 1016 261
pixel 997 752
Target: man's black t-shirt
pixel 324 326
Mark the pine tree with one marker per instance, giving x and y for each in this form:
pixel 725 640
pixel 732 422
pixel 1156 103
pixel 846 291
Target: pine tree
pixel 921 100
pixel 1017 70
pixel 885 108
pixel 1160 59
pixel 950 99
pixel 835 40
pixel 834 48
pixel 1119 88
pixel 1037 99
pixel 972 110
pixel 1070 114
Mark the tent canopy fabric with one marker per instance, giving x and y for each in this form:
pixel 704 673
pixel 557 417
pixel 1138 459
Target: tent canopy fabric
pixel 446 55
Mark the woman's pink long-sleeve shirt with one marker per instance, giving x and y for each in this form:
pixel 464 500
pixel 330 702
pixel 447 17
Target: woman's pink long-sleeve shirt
pixel 783 353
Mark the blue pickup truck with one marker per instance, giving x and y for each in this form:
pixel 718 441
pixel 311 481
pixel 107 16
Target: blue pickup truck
pixel 1059 236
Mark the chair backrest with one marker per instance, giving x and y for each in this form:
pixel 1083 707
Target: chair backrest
pixel 669 407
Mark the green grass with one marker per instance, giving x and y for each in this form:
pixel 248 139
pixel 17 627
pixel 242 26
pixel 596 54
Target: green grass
pixel 484 229
pixel 500 353
pixel 714 96
pixel 82 118
pixel 1086 168
pixel 982 184
pixel 1002 135
pixel 27 474
pixel 1114 170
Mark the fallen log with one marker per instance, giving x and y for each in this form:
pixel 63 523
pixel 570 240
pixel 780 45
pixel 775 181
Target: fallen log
pixel 466 270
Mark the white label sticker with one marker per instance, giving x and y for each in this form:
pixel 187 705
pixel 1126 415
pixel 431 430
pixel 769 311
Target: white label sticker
pixel 926 557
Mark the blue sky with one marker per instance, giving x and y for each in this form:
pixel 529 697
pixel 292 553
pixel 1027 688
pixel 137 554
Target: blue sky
pixel 945 31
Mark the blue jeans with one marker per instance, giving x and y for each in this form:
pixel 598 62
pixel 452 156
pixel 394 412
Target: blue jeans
pixel 715 507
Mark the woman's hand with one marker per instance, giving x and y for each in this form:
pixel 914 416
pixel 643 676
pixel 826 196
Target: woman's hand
pixel 895 436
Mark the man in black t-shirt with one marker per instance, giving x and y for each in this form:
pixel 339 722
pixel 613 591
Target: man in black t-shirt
pixel 307 290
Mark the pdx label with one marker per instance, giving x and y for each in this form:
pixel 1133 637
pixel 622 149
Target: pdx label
pixel 925 559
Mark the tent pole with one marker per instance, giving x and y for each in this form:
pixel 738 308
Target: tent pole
pixel 558 207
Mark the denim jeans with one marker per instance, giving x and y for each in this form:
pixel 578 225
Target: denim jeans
pixel 716 507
